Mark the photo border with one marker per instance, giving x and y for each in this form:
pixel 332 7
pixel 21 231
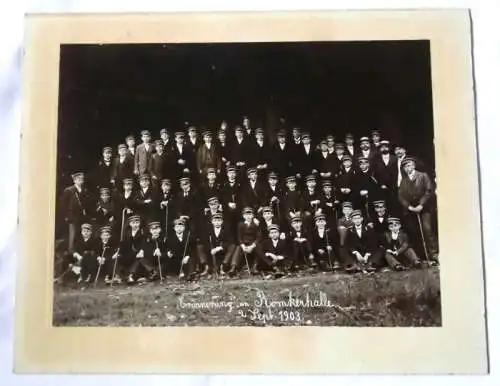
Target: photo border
pixel 459 346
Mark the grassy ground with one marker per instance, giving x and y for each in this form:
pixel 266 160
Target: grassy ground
pixel 410 298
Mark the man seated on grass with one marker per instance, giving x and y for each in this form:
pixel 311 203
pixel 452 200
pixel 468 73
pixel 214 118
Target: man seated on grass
pixel 322 245
pixel 274 252
pixel 362 245
pixel 398 252
pixel 249 239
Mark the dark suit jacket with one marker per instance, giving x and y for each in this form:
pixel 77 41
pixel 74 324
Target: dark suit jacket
pixel 306 162
pixel 367 243
pixel 187 155
pixel 416 192
pixel 132 244
pixel 328 164
pixel 293 201
pixel 208 158
pixel 259 155
pixel 320 242
pixel 225 238
pixel 158 166
pixel 248 234
pixel 240 151
pixel 401 244
pixel 386 174
pixel 76 207
pixel 122 170
pixel 142 158
pixel 367 181
pixel 144 208
pixel 281 161
pixel 253 197
pixel 280 249
pixel 101 178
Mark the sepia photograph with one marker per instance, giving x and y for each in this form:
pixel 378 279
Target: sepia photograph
pixel 246 184
pixel 182 172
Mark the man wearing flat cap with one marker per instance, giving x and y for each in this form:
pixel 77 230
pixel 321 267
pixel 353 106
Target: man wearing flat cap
pixel 143 154
pixel 123 166
pixel 415 193
pixel 207 155
pixel 76 206
pixel 103 174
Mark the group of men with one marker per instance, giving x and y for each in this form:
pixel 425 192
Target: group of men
pixel 198 206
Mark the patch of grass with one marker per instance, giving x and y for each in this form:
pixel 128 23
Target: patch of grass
pixel 410 298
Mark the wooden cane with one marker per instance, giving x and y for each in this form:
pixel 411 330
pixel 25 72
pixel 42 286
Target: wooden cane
pixel 118 250
pixel 327 250
pixel 246 261
pixel 159 263
pixel 213 257
pixel 185 250
pixel 100 265
pixel 422 235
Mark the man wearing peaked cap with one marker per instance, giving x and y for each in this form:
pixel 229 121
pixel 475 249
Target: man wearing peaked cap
pixel 143 154
pixel 326 161
pixel 103 174
pixel 253 191
pixel 398 252
pixel 274 195
pixel 349 144
pixel 123 166
pixel 330 143
pixel 158 164
pixel 207 155
pixel 322 245
pixel 193 142
pixel 144 197
pixel 260 154
pixel 346 180
pixel 274 252
pixel 183 158
pixel 281 155
pixel 240 151
pixel 366 149
pixel 187 204
pixel 105 210
pixel 375 134
pixel 83 252
pixel 385 168
pixel 362 246
pixel 76 205
pixel 415 195
pixel 306 157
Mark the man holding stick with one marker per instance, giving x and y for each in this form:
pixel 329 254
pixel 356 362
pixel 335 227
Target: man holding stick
pixel 415 194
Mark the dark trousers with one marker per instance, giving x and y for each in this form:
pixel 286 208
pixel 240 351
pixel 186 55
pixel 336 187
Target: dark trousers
pixel 376 258
pixel 408 257
pixel 174 264
pixel 223 257
pixel 301 253
pixel 252 258
pixel 411 222
pixel 142 266
pixel 88 264
pixel 324 259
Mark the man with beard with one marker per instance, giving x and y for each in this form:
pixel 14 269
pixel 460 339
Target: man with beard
pixel 385 167
pixel 366 149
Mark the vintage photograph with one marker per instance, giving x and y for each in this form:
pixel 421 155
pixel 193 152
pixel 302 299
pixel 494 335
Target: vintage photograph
pixel 246 184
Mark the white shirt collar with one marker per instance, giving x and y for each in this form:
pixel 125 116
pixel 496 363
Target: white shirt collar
pixel 282 145
pixel 260 143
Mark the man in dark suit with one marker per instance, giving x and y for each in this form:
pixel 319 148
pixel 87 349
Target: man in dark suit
pixel 248 132
pixel 326 162
pixel 103 174
pixel 349 145
pixel 366 149
pixel 306 161
pixel 253 191
pixel 295 150
pixel 130 141
pixel 281 161
pixel 224 148
pixel 167 143
pixel 362 245
pixel 187 204
pixel 231 198
pixel 144 198
pixel 143 154
pixel 123 167
pixel 240 153
pixel 219 243
pixel 183 162
pixel 385 168
pixel 366 187
pixel 158 165
pixel 260 154
pixel 345 183
pixel 76 206
pixel 193 142
pixel 397 247
pixel 249 238
pixel 207 155
pixel 338 154
pixel 415 193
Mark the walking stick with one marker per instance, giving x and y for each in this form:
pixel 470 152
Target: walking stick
pixel 185 249
pixel 213 257
pixel 328 251
pixel 57 279
pixel 118 250
pixel 159 263
pixel 422 235
pixel 246 261
pixel 100 265
pixel 278 209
